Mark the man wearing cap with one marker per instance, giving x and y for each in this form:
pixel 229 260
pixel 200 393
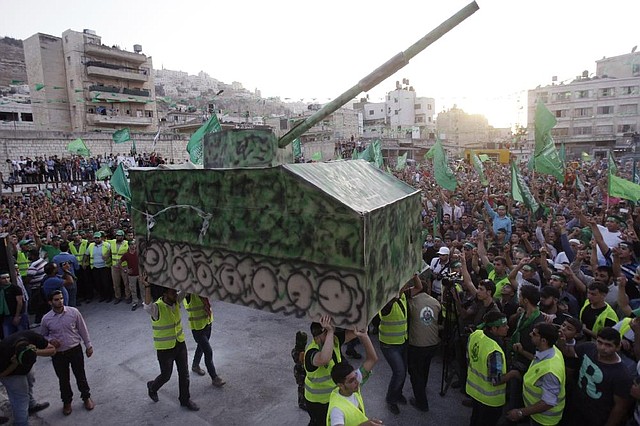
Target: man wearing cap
pixel 439 267
pixel 98 257
pixel 487 371
pixel 18 354
pixel 64 327
pixel 118 247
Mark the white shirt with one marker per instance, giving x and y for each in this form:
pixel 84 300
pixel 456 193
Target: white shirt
pixel 612 239
pixel 337 416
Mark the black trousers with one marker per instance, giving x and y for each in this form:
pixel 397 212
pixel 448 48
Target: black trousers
pixel 166 358
pixel 419 363
pixel 483 415
pixel 61 361
pixel 101 278
pixel 317 413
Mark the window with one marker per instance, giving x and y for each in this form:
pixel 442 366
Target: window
pixel 581 131
pixel 583 112
pixel 148 114
pixel 429 107
pixel 629 90
pixel 561 113
pixel 560 131
pixel 69 60
pixel 27 116
pixel 417 106
pixel 543 97
pixel 396 112
pixel 420 119
pixel 562 96
pixel 635 69
pixel 605 110
pixel 395 100
pixel 628 109
pixel 604 130
pixel 581 94
pixel 370 112
pixel 626 128
pixel 606 92
pixel 429 119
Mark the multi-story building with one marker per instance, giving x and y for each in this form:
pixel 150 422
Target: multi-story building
pixel 79 84
pixel 596 113
pixel 459 130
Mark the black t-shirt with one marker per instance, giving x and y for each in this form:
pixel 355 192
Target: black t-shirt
pixel 8 349
pixel 308 356
pixel 597 384
pixel 589 316
pixel 10 295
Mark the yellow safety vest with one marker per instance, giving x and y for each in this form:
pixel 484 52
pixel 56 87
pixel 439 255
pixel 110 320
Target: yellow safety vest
pixel 105 251
pixel 353 416
pixel 479 387
pixel 23 263
pixel 532 393
pixel 198 318
pixel 393 327
pixel 318 384
pixel 116 253
pixel 78 253
pixel 499 284
pixel 167 330
pixel 608 313
pixel 626 326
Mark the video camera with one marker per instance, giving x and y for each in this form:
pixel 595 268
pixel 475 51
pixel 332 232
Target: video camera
pixel 450 278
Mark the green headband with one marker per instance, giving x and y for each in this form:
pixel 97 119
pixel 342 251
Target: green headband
pixel 496 323
pixel 28 348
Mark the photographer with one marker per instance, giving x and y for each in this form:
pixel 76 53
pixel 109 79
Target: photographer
pixel 439 267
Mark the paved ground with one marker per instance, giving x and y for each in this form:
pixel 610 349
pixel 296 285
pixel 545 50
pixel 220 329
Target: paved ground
pixel 252 352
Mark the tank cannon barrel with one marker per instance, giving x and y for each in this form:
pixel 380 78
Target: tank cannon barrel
pixel 379 74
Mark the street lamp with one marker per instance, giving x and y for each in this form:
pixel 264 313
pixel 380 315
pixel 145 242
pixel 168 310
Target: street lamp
pixel 634 139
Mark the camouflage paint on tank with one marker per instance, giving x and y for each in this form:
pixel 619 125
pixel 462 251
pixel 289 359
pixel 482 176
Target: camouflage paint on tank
pixel 279 239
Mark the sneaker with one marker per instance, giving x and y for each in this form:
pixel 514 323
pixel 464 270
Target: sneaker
pixel 134 306
pixel 152 394
pixel 190 405
pixel 38 407
pixel 413 402
pixel 198 370
pixel 218 382
pixel 115 302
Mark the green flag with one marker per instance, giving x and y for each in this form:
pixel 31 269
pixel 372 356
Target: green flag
pixel 429 154
pixel 120 184
pixel 316 156
pixel 121 136
pixel 402 162
pixel 297 148
pixel 546 160
pixel 563 154
pixel 613 169
pixel 477 164
pixel 483 157
pixel 377 153
pixel 364 155
pixel 78 147
pixel 194 147
pixel 585 157
pixel 443 173
pixel 520 191
pixel 103 172
pixel 39 87
pixel 623 188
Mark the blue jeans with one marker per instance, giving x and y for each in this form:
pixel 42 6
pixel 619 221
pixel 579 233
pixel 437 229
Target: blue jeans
pixel 396 356
pixel 20 391
pixel 8 328
pixel 204 348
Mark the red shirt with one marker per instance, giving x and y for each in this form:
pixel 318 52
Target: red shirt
pixel 132 263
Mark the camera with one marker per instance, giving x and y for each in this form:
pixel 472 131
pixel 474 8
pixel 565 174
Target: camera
pixel 449 279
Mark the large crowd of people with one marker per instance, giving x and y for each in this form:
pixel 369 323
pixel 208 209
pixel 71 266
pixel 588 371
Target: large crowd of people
pixel 535 311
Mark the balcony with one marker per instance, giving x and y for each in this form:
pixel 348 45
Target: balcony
pixel 112 52
pixel 110 120
pixel 118 97
pixel 121 73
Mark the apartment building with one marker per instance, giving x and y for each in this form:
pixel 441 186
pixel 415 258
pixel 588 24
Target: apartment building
pixel 595 113
pixel 79 84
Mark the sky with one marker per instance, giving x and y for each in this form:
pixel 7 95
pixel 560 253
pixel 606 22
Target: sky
pixel 318 50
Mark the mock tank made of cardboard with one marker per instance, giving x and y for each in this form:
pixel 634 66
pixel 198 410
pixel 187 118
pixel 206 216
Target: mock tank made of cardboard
pixel 337 238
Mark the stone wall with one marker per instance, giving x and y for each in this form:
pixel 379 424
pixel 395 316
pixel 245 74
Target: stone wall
pixel 14 144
